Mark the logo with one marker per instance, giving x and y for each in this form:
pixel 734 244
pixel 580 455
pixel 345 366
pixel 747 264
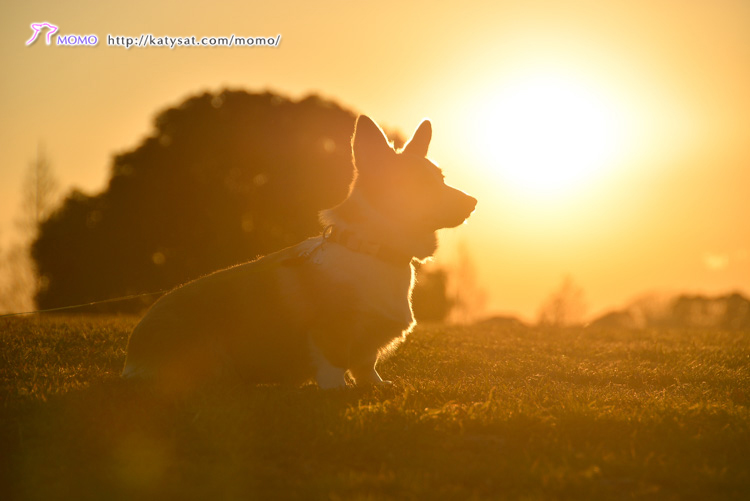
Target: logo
pixel 38 27
pixel 65 40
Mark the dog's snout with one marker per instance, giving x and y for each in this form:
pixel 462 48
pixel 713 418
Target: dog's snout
pixel 469 203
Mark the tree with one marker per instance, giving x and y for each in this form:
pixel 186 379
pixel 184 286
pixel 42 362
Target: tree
pixel 223 177
pixel 564 307
pixel 430 300
pixel 38 195
pixel 469 299
pixel 18 279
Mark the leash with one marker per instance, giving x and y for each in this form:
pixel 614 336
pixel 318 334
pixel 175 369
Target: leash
pixel 112 300
pixel 72 307
pixel 331 233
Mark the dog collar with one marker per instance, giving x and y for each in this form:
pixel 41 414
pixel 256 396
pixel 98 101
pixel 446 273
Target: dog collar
pixel 351 241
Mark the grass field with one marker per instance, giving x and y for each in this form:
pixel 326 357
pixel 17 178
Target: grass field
pixel 480 412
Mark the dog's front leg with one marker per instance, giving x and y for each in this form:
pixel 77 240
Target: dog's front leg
pixel 327 375
pixel 364 372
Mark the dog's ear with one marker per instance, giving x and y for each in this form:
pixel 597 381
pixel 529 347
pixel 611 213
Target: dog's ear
pixel 420 141
pixel 369 143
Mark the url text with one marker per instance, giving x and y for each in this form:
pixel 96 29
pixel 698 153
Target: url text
pixel 172 42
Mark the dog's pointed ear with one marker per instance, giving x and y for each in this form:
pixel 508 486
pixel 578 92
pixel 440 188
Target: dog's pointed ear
pixel 369 143
pixel 420 141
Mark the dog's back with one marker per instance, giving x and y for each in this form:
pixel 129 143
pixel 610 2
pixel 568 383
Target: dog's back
pixel 207 326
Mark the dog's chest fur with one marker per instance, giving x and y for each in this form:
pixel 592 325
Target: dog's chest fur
pixel 366 283
pixel 351 305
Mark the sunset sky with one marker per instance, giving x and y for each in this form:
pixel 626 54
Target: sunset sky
pixel 606 141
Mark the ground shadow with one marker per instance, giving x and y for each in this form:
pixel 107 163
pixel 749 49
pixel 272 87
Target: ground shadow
pixel 117 439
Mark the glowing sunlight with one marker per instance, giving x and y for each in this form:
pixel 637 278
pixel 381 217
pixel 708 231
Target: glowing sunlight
pixel 549 135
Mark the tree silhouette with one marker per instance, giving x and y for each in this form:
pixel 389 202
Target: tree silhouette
pixel 469 299
pixel 430 301
pixel 564 307
pixel 38 196
pixel 223 178
pixel 19 281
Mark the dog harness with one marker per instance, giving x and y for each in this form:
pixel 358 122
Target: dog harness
pixel 351 241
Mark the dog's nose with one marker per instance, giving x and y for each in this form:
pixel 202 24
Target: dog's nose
pixel 471 203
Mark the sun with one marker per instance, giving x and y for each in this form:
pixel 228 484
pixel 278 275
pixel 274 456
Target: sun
pixel 549 134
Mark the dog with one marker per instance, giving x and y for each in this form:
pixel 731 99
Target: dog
pixel 332 304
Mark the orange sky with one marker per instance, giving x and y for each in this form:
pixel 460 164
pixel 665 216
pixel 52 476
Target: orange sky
pixel 658 111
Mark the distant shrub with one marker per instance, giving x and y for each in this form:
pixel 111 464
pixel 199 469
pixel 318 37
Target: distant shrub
pixel 564 307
